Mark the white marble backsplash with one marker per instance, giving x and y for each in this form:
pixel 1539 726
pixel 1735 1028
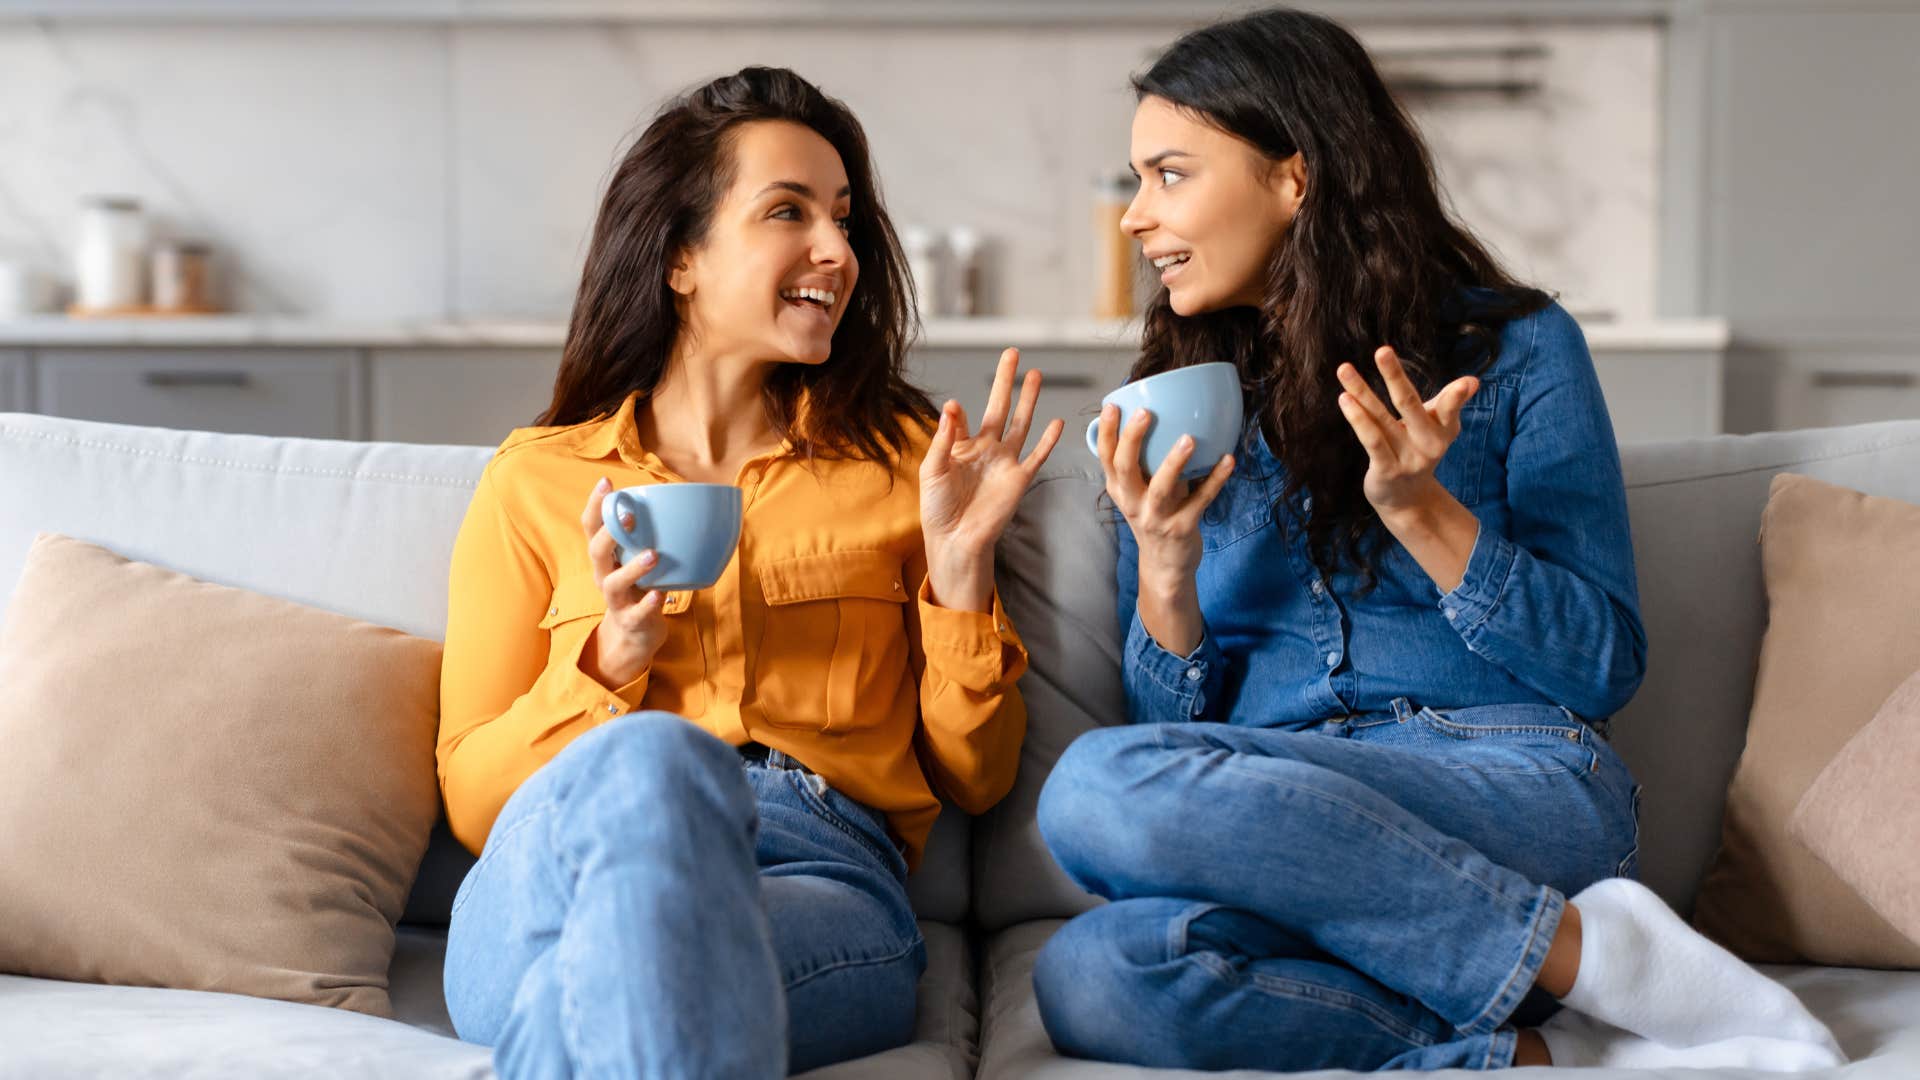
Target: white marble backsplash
pixel 431 171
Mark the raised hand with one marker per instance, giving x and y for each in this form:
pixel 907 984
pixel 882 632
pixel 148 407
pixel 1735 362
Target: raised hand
pixel 1404 449
pixel 970 485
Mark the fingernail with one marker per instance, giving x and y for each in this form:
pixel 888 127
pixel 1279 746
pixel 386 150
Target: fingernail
pixel 603 485
pixel 1186 442
pixel 626 521
pixel 647 556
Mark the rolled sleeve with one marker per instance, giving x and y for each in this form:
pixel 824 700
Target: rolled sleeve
pixel 1163 686
pixel 1489 569
pixel 979 650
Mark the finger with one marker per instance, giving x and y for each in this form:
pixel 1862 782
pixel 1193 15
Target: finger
pixel 600 554
pixel 1126 452
pixel 1406 398
pixel 590 517
pixel 940 451
pixel 1106 444
pixel 1049 438
pixel 1453 398
pixel 1023 411
pixel 994 421
pixel 641 611
pixel 1367 429
pixel 1209 488
pixel 618 586
pixel 1364 396
pixel 1168 488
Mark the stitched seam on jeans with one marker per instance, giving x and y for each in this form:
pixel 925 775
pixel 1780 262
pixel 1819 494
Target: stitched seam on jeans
pixel 832 817
pixel 1506 986
pixel 1360 811
pixel 1300 990
pixel 865 961
pixel 529 817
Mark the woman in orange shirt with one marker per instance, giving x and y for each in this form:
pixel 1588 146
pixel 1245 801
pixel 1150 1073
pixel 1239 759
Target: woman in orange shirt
pixel 695 813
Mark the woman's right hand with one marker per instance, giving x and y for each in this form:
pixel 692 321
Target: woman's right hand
pixel 635 625
pixel 1164 513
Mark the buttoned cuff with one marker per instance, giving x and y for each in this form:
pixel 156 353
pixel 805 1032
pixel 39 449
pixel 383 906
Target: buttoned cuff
pixel 598 701
pixel 1485 582
pixel 979 649
pixel 1186 679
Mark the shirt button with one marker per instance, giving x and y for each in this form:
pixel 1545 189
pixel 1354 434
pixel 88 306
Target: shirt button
pixel 553 611
pixel 1002 627
pixel 1333 659
pixel 896 584
pixel 1193 674
pixel 1307 504
pixel 1452 614
pixel 613 709
pixel 1318 588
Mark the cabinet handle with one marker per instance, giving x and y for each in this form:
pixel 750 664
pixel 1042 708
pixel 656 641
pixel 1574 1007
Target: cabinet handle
pixel 1875 380
pixel 1063 382
pixel 195 378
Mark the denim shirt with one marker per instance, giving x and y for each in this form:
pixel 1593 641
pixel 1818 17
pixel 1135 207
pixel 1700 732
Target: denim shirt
pixel 1547 613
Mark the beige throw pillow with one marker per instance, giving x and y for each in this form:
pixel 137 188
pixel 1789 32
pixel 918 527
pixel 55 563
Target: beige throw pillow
pixel 1862 813
pixel 1842 576
pixel 206 788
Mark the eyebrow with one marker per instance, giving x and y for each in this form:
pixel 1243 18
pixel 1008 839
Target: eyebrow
pixel 800 189
pixel 1159 159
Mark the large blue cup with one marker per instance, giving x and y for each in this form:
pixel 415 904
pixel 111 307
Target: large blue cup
pixel 692 528
pixel 1202 400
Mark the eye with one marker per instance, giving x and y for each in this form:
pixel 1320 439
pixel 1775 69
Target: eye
pixel 786 212
pixel 1175 174
pixel 845 223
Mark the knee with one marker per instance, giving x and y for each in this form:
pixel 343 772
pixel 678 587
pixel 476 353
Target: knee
pixel 1091 987
pixel 650 763
pixel 1098 802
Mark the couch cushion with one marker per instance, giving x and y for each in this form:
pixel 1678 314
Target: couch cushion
pixel 363 529
pixel 1863 811
pixel 206 788
pixel 1871 1013
pixel 1843 594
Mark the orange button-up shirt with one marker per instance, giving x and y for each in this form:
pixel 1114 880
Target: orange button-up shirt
pixel 818 640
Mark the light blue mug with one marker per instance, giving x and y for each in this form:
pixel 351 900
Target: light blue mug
pixel 1202 400
pixel 692 528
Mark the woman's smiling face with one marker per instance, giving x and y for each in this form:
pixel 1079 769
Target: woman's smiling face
pixel 1211 209
pixel 775 272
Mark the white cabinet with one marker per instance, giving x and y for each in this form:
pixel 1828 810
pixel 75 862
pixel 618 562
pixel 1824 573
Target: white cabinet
pixel 312 393
pixel 1804 386
pixel 13 380
pixel 466 396
pixel 1658 395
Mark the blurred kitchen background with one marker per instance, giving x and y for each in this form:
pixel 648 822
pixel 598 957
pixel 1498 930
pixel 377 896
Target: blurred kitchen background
pixel 365 219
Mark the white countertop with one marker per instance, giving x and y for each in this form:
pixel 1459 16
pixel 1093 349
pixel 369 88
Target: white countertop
pixel 994 332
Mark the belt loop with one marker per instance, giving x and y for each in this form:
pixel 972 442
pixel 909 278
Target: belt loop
pixel 1403 710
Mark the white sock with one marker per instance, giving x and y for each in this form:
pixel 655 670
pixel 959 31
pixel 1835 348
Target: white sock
pixel 1644 970
pixel 1579 1041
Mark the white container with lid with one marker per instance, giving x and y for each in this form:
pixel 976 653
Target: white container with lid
pixel 111 258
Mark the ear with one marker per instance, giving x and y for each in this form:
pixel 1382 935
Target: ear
pixel 680 275
pixel 1290 182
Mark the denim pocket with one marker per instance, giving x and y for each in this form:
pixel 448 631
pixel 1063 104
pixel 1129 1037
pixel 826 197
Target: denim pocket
pixel 1519 738
pixel 852 818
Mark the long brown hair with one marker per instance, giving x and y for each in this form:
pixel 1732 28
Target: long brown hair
pixel 660 202
pixel 1371 258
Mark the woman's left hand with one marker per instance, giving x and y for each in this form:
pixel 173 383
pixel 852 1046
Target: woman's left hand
pixel 971 484
pixel 1403 450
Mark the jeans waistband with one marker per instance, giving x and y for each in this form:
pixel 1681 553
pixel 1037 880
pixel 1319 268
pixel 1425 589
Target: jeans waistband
pixel 1404 709
pixel 761 754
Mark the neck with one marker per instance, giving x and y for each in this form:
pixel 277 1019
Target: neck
pixel 707 407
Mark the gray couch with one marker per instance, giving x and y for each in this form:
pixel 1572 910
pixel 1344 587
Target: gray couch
pixel 365 529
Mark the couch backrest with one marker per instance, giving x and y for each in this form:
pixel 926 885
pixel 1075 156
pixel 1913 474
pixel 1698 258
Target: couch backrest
pixel 364 529
pixel 1695 509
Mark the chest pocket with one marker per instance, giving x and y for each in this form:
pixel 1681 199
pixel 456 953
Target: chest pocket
pixel 578 597
pixel 1464 470
pixel 835 628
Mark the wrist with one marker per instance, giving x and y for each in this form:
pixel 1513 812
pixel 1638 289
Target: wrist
pixel 961 580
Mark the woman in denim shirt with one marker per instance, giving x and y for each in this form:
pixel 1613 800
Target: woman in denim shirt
pixel 1370 658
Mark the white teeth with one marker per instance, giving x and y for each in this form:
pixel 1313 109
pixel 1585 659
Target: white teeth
pixel 820 296
pixel 1165 261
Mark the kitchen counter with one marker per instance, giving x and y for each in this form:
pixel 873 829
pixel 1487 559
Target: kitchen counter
pixel 1665 335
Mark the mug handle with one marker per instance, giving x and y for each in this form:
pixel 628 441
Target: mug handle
pixel 1093 437
pixel 611 508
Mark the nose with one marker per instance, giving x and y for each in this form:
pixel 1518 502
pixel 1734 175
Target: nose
pixel 1137 221
pixel 830 246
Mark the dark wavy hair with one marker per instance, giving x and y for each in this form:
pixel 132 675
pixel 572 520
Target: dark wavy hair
pixel 1371 259
pixel 660 202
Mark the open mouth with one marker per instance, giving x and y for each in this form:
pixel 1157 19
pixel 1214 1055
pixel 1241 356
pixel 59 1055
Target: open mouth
pixel 820 300
pixel 1169 265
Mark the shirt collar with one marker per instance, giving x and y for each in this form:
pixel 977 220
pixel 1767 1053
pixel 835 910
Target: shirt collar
pixel 619 433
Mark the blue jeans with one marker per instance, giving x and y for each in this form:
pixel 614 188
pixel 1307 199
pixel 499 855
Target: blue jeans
pixel 1369 893
pixel 652 904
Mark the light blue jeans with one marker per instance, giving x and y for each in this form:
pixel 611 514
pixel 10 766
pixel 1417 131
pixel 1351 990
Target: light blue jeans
pixel 652 904
pixel 1370 893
